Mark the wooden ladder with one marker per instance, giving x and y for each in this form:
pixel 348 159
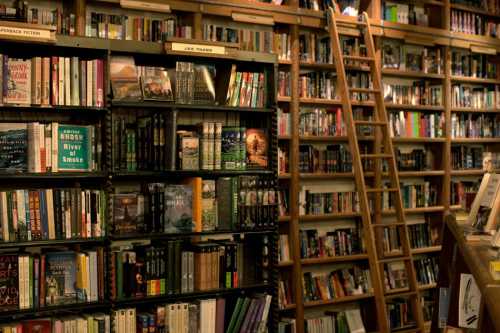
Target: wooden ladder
pixel 382 156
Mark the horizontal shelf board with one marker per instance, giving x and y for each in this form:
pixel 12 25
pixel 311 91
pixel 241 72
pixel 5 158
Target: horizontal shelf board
pixel 424 250
pixel 410 74
pixel 474 10
pixel 430 209
pixel 427 286
pixel 475 110
pixel 52 242
pixel 475 140
pixel 56 310
pixel 457 78
pixel 317 65
pixel 284 99
pixel 396 291
pixel 81 110
pixel 414 107
pixel 284 218
pixel 288 307
pixel 52 175
pixel 417 140
pixel 188 296
pixel 428 173
pixel 456 207
pixel 284 176
pixel 335 138
pixel 326 176
pixel 346 299
pixel 334 259
pixel 470 172
pixel 185 173
pixel 284 62
pixel 326 217
pixel 284 137
pixel 191 107
pixel 158 236
pixel 287 263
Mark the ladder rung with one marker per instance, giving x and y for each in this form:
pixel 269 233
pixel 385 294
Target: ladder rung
pixel 380 190
pixel 382 225
pixel 372 156
pixel 364 90
pixel 386 260
pixel 369 123
pixel 401 294
pixel 348 21
pixel 358 58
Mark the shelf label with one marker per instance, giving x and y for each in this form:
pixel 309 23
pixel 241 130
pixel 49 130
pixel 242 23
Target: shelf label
pixel 12 32
pixel 250 18
pixel 198 48
pixel 145 5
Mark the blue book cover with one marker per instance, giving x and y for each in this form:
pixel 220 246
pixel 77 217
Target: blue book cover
pixel 60 278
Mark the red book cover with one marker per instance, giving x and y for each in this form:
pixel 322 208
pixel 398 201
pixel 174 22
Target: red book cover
pixel 36 207
pixel 219 315
pixel 338 124
pixel 37 326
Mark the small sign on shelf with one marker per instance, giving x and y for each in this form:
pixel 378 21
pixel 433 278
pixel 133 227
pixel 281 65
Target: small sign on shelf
pixel 27 32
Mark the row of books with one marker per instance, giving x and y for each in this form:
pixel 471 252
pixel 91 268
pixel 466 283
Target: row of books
pixel 338 242
pixel 353 46
pixel 391 240
pixel 345 321
pixel 422 235
pixel 475 126
pixel 284 122
pixel 467 157
pixel 63 20
pixel 283 46
pixel 213 315
pixel 33 281
pixel 316 199
pixel 94 323
pixel 314 48
pixel 134 27
pixel 283 202
pixel 415 58
pixel 413 124
pixel 420 92
pixel 325 159
pixel 175 267
pixel 473 24
pixel 491 6
pixel 339 283
pixel 414 159
pixel 467 63
pixel 427 270
pixel 69 81
pixel 48 214
pixel 51 147
pixel 359 80
pixel 321 122
pixel 284 248
pixel 317 85
pixel 284 293
pixel 417 195
pixel 473 96
pixel 246 89
pixel 395 276
pixel 463 192
pixel 400 313
pixel 315 4
pixel 228 203
pixel 284 84
pixel 248 39
pixel 406 13
pixel 144 143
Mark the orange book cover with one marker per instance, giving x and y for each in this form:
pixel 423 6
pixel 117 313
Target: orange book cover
pixel 196 184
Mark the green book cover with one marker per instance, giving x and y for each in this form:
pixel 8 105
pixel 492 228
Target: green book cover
pixel 235 314
pixel 73 143
pixel 241 315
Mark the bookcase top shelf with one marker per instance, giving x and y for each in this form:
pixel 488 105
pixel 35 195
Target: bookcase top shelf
pixel 190 107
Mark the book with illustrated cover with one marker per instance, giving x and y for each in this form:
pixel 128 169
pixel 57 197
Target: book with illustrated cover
pixel 19 81
pixel 257 145
pixel 13 147
pixel 209 205
pixel 178 208
pixel 60 278
pixel 413 57
pixel 74 148
pixel 9 282
pixel 128 215
pixel 124 79
pixel 38 326
pixel 204 87
pixel 156 84
pixel 391 54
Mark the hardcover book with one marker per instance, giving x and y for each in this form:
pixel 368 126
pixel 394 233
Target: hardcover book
pixel 74 149
pixel 124 80
pixel 128 217
pixel 38 326
pixel 391 54
pixel 156 84
pixel 19 81
pixel 257 146
pixel 9 282
pixel 60 278
pixel 178 208
pixel 13 147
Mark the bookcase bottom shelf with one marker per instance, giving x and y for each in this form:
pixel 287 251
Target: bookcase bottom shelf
pixel 56 310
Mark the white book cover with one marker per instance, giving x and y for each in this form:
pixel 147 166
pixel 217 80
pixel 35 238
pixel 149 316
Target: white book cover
pixel 4 219
pixel 67 81
pixel 354 321
pixel 62 89
pixel 469 302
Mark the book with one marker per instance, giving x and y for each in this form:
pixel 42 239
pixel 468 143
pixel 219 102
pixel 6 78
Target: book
pixel 178 208
pixel 13 147
pixel 74 148
pixel 60 278
pixel 124 80
pixel 155 83
pixel 257 146
pixel 128 213
pixel 18 81
pixel 9 282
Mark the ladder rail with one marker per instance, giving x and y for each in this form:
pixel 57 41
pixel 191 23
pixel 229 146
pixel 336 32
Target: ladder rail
pixel 375 274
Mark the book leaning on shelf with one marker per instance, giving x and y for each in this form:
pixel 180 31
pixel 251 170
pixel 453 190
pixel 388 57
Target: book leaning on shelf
pixel 50 147
pixel 38 280
pixel 94 322
pixel 211 315
pixel 247 89
pixel 349 320
pixel 52 81
pixel 48 214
